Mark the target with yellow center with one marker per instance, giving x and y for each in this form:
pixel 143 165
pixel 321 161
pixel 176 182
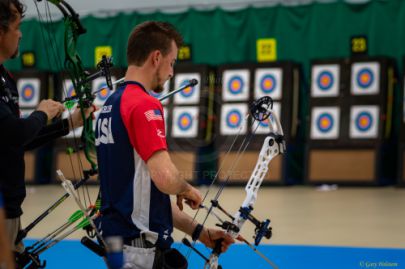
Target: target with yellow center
pixel 187 92
pixel 234 118
pixel 365 78
pixel 268 83
pixel 325 122
pixel 104 92
pixel 71 91
pixel 27 92
pixel 364 121
pixel 185 121
pixel 235 85
pixel 325 80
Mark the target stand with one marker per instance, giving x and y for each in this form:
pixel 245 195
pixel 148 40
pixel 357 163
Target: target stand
pixel 239 85
pixel 350 122
pixel 188 117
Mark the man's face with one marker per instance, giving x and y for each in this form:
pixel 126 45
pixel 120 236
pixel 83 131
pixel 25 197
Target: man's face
pixel 165 69
pixel 9 40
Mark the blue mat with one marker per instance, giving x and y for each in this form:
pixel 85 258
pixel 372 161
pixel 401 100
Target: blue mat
pixel 71 254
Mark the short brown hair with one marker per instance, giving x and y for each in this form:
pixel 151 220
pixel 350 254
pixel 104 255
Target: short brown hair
pixel 6 13
pixel 150 36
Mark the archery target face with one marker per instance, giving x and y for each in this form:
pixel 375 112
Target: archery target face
pixel 104 92
pixel 190 95
pixel 185 122
pixel 233 119
pixel 325 80
pixel 268 82
pixel 29 92
pixel 24 113
pixel 264 127
pixel 164 92
pixel 235 85
pixel 365 78
pixel 325 122
pixel 68 89
pixel 364 121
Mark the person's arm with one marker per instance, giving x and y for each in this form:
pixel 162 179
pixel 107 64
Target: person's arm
pixel 207 236
pixel 166 178
pixel 49 133
pixel 17 131
pixel 59 128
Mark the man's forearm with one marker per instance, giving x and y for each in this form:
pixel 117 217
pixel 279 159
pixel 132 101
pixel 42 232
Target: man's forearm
pixel 183 221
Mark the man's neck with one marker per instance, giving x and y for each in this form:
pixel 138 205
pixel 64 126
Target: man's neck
pixel 139 74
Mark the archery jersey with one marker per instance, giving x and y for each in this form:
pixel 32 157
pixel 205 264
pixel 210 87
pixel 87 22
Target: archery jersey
pixel 129 129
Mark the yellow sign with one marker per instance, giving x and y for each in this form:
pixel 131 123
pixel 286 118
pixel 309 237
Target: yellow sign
pixel 266 49
pixel 100 51
pixel 184 53
pixel 359 44
pixel 28 59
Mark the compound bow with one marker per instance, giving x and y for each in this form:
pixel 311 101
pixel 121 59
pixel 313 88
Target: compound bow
pixel 84 98
pixel 273 145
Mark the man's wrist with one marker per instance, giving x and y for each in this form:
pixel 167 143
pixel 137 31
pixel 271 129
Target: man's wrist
pixel 186 188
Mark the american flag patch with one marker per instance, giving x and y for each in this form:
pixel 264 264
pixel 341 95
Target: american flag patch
pixel 153 114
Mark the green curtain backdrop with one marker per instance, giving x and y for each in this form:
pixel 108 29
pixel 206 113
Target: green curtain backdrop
pixel 303 33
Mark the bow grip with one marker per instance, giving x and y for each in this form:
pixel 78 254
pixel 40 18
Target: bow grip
pixel 218 245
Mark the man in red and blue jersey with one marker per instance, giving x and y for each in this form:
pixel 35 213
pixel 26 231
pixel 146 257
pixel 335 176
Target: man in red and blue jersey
pixel 137 175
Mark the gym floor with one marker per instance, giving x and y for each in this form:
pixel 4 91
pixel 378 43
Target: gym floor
pixel 310 218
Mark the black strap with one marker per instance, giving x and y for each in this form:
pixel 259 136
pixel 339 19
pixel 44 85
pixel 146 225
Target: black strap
pixel 197 232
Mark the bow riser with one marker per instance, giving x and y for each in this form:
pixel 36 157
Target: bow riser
pixel 273 146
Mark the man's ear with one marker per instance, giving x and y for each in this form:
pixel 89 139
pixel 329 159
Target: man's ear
pixel 156 57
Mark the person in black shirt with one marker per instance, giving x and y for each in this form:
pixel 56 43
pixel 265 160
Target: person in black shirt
pixel 17 134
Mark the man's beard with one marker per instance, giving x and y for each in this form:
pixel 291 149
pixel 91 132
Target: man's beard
pixel 159 87
pixel 16 53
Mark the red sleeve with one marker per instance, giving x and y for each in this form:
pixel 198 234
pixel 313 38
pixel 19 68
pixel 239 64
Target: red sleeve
pixel 145 125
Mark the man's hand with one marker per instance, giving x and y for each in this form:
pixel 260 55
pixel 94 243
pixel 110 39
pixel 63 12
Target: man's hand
pixel 76 119
pixel 192 196
pixel 209 236
pixel 51 108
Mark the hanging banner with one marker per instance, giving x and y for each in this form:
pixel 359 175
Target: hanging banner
pixel 268 82
pixel 263 127
pixel 190 95
pixel 185 122
pixel 235 85
pixel 232 119
pixel 364 121
pixel 365 78
pixel 325 80
pixel 29 92
pixel 325 122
